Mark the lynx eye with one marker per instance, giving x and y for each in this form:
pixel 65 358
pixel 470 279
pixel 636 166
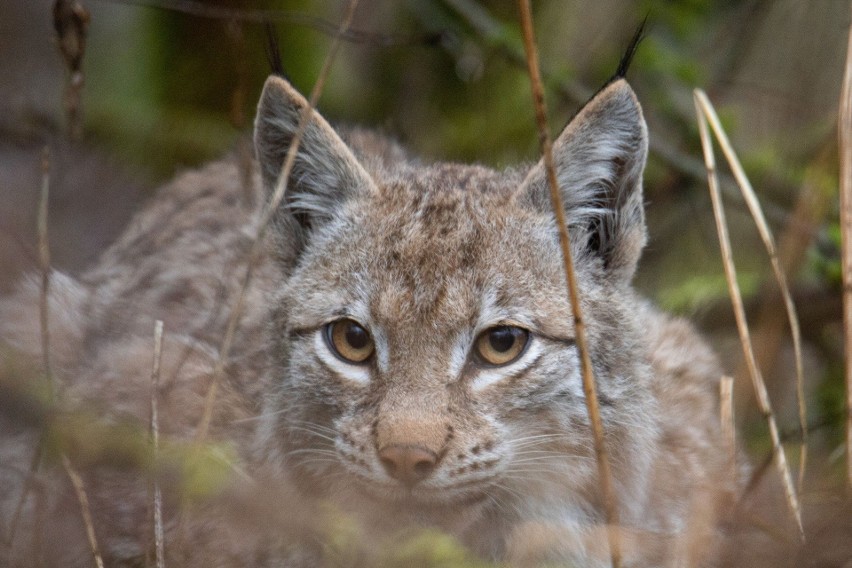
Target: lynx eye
pixel 349 341
pixel 501 345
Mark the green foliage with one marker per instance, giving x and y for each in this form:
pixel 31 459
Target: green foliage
pixel 831 396
pixel 825 258
pixel 205 469
pixel 430 548
pixel 697 291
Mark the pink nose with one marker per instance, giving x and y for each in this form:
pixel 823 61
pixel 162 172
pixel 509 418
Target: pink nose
pixel 408 464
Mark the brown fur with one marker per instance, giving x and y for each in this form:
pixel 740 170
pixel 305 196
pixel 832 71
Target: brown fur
pixel 425 257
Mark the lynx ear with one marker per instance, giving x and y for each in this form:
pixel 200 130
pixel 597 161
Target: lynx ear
pixel 599 160
pixel 325 173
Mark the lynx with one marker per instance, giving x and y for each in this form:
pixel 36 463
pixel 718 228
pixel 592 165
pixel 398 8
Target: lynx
pixel 405 359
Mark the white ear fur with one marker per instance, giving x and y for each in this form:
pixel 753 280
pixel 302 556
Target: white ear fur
pixel 600 157
pixel 325 172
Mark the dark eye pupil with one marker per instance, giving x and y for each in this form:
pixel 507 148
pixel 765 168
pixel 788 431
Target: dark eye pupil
pixel 501 339
pixel 356 336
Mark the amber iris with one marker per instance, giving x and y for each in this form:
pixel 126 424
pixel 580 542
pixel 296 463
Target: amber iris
pixel 501 345
pixel 349 340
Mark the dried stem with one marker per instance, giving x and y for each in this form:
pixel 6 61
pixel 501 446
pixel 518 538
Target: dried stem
pixel 701 107
pixel 793 245
pixel 258 246
pixel 259 16
pixel 44 267
pixel 159 554
pixel 769 242
pixel 29 484
pixel 493 33
pixel 726 416
pixel 85 509
pixel 71 22
pixel 244 150
pixel 589 388
pixel 845 141
pixel 44 312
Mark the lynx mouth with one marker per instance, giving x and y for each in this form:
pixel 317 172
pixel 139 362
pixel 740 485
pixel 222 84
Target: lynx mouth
pixel 425 497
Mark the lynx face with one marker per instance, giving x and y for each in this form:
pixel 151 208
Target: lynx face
pixel 424 340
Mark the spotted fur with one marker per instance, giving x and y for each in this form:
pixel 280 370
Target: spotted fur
pixel 426 257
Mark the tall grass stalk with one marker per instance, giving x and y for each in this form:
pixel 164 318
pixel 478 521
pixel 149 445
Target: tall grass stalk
pixel 589 388
pixel 705 112
pixel 844 126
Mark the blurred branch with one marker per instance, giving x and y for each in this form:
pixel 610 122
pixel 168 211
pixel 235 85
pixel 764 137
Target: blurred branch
pixel 844 128
pixel 821 307
pixel 71 23
pixel 499 36
pixel 742 39
pixel 205 10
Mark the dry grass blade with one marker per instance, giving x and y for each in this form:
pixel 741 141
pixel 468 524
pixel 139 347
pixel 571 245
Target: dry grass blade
pixel 44 315
pixel 739 311
pixel 589 388
pixel 266 219
pixel 29 483
pixel 845 142
pixel 726 416
pixel 71 23
pixel 205 9
pixel 85 509
pixel 159 541
pixel 44 267
pixel 769 242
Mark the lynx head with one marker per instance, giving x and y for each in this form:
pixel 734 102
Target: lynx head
pixel 424 342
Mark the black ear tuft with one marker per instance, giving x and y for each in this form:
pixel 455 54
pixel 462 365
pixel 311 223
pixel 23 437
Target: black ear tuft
pixel 627 58
pixel 273 53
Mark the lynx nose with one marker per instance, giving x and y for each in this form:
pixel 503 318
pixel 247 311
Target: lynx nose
pixel 408 464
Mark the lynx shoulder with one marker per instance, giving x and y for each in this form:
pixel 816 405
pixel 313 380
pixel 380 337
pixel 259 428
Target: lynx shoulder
pixel 404 356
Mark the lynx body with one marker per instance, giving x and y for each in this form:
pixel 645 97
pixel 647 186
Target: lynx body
pixel 405 356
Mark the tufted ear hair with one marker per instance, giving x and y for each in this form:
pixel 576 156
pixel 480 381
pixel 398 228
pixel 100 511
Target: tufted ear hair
pixel 325 174
pixel 599 159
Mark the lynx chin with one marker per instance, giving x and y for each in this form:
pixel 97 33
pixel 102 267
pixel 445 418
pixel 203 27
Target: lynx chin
pixel 404 360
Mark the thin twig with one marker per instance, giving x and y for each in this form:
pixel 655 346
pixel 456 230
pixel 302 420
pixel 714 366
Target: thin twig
pixel 256 16
pixel 793 246
pixel 71 23
pixel 769 242
pixel 258 246
pixel 44 312
pixel 159 553
pixel 726 416
pixel 493 33
pixel 244 150
pixel 739 312
pixel 589 388
pixel 44 306
pixel 85 509
pixel 844 125
pixel 29 484
pixel 44 267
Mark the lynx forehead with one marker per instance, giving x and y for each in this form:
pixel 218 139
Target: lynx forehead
pixel 406 354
